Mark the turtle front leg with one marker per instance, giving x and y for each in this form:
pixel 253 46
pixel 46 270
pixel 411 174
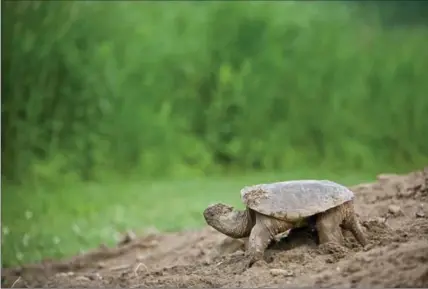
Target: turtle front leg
pixel 329 226
pixel 259 240
pixel 262 234
pixel 329 222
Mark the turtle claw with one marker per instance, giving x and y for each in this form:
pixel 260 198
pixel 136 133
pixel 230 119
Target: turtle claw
pixel 251 262
pixel 254 259
pixel 256 263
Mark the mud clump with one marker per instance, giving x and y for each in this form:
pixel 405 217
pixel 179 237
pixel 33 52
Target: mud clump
pixel 392 210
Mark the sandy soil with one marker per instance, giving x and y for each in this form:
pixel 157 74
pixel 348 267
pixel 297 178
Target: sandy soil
pixel 393 211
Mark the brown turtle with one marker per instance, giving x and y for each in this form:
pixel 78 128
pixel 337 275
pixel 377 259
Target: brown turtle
pixel 278 207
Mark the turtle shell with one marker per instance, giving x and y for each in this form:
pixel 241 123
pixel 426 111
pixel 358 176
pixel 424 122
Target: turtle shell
pixel 293 200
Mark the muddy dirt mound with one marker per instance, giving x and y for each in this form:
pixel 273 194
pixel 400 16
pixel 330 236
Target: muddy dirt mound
pixel 393 212
pixel 396 265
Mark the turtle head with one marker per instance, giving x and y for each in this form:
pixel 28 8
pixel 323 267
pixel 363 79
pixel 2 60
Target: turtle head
pixel 214 212
pixel 227 220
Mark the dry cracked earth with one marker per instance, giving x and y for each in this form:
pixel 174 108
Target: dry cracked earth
pixel 393 211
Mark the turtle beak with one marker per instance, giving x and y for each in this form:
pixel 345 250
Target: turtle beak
pixel 207 211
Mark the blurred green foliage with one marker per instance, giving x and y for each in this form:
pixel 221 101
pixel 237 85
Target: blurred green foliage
pixel 183 88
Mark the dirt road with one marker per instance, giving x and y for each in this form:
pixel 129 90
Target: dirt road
pixel 393 211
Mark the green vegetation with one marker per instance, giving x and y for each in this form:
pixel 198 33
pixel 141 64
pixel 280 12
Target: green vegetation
pixel 137 90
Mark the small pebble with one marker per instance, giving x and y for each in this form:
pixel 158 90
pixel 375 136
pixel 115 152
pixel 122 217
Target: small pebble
pixel 101 265
pixel 95 276
pixel 82 278
pixel 380 220
pixel 64 274
pixel 281 272
pixel 394 209
pixel 420 214
pixel 405 194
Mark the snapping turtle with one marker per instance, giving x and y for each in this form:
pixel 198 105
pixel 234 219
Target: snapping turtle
pixel 277 207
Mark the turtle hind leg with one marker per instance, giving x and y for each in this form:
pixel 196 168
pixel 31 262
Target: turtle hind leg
pixel 328 226
pixel 351 223
pixel 262 234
